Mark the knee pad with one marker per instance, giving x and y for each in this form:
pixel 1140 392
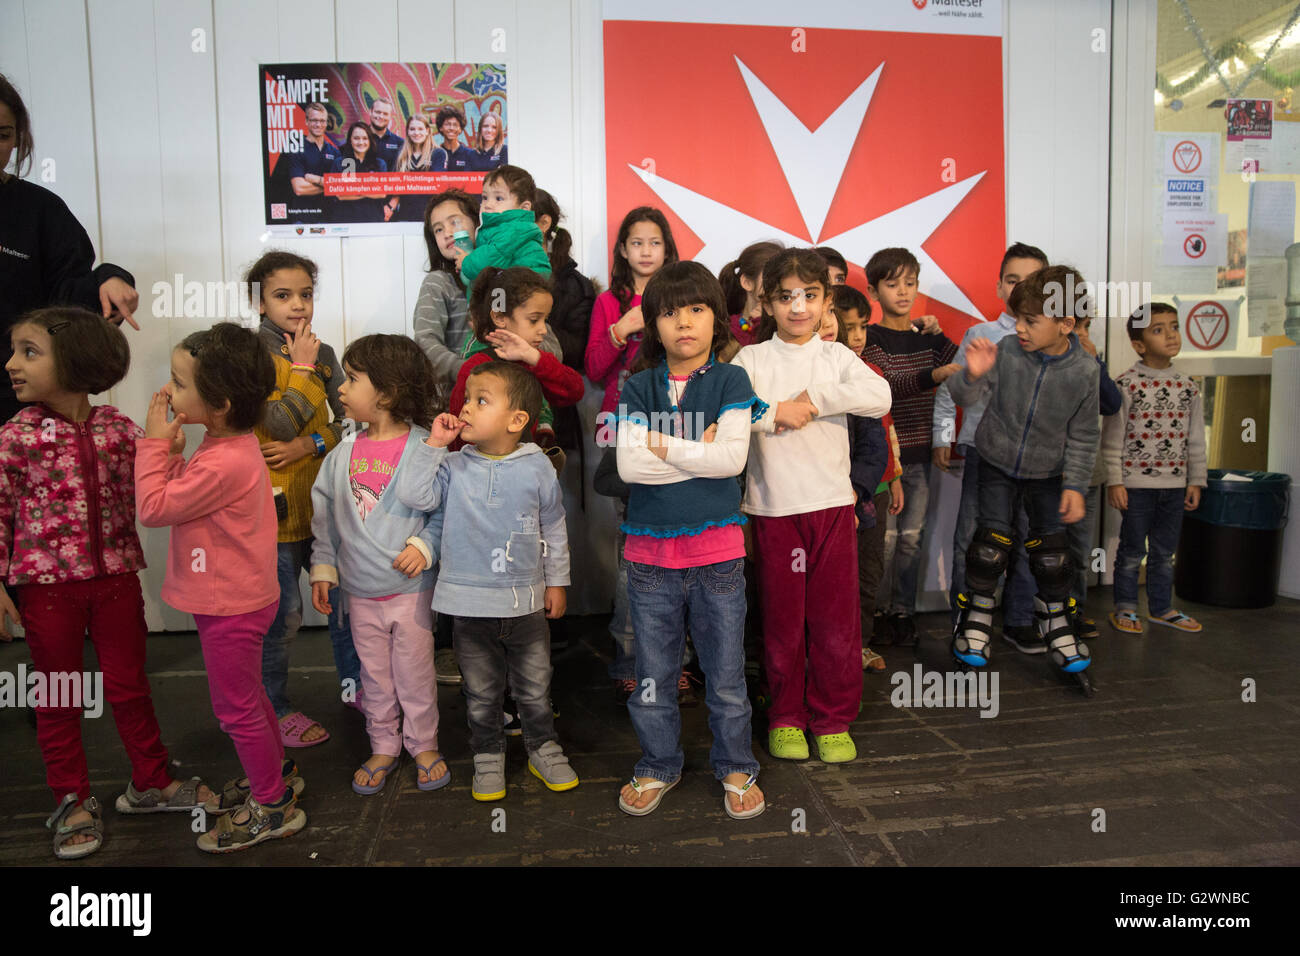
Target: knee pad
pixel 1051 564
pixel 986 560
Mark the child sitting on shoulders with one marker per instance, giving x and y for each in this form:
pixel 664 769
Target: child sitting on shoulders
pixel 508 235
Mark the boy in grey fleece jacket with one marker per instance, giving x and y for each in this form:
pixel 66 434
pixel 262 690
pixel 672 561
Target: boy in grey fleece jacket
pixel 1038 441
pixel 504 565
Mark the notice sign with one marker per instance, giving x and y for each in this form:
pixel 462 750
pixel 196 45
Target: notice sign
pixel 1186 195
pixel 1210 325
pixel 1189 154
pixel 1195 241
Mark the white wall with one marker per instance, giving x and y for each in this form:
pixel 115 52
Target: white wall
pixel 157 153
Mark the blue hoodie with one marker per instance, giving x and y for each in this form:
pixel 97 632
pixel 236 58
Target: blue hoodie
pixel 358 555
pixel 503 535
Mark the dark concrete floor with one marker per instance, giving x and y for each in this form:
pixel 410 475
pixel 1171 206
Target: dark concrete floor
pixel 1184 770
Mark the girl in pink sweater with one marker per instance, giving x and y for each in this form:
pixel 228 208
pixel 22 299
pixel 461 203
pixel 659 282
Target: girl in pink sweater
pixel 69 549
pixel 221 560
pixel 645 245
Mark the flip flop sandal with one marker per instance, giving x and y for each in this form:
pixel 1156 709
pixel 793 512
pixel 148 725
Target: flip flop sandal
pixel 63 832
pixel 640 788
pixel 293 726
pixel 1126 622
pixel 871 661
pixel 370 789
pixel 431 784
pixel 740 792
pixel 1179 621
pixel 184 800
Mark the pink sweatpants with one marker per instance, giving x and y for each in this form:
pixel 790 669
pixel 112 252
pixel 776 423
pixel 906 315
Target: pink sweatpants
pixel 394 640
pixel 808 596
pixel 232 654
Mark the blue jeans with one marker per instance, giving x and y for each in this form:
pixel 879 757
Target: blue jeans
pixel 711 599
pixel 1154 517
pixel 491 651
pixel 1018 592
pixel 1079 535
pixel 292 558
pixel 903 544
pixel 623 666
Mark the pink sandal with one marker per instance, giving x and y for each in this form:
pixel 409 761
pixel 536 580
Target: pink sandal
pixel 293 726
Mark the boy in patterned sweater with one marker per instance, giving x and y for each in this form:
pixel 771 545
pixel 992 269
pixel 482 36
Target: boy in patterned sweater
pixel 913 355
pixel 1154 451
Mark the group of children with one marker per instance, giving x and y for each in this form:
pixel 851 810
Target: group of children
pixel 769 439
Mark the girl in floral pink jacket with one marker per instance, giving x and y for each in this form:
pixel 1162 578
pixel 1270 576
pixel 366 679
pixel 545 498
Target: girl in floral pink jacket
pixel 69 549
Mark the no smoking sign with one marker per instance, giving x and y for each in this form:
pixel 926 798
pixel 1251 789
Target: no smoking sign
pixel 1207 325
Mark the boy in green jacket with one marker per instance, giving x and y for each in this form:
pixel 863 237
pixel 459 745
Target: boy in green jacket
pixel 509 235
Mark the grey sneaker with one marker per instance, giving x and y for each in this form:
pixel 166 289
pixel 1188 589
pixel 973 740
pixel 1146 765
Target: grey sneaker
pixel 549 765
pixel 489 777
pixel 444 665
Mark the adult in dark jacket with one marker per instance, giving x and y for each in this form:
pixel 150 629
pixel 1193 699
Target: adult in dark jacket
pixel 46 258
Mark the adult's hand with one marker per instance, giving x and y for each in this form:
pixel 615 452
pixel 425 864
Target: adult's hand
pixel 119 300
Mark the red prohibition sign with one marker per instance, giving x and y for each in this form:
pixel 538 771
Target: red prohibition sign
pixel 1207 325
pixel 1194 245
pixel 1187 157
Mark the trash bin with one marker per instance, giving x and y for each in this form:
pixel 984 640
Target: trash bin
pixel 1230 551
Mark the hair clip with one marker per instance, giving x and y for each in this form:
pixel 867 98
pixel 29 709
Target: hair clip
pixel 58 327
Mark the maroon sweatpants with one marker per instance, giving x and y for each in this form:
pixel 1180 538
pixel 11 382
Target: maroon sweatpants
pixel 56 618
pixel 808 593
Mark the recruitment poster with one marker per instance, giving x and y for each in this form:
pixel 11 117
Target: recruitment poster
pixel 356 149
pixel 813 135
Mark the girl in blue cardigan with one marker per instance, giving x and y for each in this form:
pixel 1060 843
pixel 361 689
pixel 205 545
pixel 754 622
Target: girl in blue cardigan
pixel 683 436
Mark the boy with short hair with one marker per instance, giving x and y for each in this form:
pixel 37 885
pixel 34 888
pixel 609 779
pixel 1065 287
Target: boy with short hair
pixel 1018 262
pixel 1155 466
pixel 913 356
pixel 504 565
pixel 509 235
pixel 1037 440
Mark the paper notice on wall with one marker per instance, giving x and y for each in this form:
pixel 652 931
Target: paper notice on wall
pixel 1286 148
pixel 1271 227
pixel 1194 240
pixel 1249 136
pixel 1186 196
pixel 1265 295
pixel 1210 324
pixel 1190 154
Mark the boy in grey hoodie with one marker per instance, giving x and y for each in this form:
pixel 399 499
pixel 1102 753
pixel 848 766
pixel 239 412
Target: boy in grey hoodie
pixel 1038 441
pixel 504 565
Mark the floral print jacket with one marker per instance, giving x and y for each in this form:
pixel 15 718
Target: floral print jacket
pixel 67 497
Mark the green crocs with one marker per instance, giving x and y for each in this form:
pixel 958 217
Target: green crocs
pixel 787 743
pixel 836 748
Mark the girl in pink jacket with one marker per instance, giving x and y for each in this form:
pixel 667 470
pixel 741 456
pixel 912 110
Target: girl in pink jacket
pixel 69 549
pixel 221 561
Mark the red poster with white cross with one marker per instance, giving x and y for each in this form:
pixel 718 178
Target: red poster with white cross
pixel 858 139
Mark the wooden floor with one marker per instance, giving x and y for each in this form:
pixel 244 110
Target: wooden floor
pixel 1167 755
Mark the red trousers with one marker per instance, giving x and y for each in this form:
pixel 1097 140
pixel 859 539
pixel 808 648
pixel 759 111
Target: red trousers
pixel 56 618
pixel 808 596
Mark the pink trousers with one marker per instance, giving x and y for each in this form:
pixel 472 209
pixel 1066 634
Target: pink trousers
pixel 394 640
pixel 232 654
